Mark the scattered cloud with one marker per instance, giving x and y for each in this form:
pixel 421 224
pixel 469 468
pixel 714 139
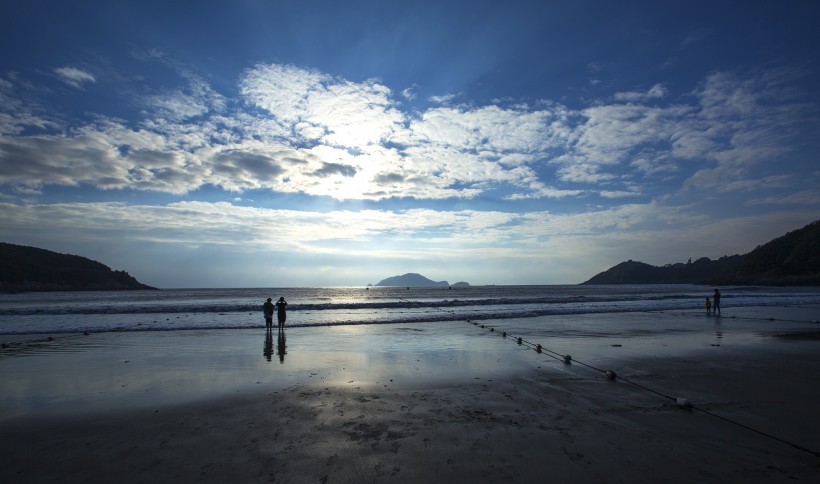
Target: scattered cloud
pixel 296 130
pixel 808 198
pixel 695 36
pixel 409 93
pixel 74 77
pixel 655 92
pixel 443 99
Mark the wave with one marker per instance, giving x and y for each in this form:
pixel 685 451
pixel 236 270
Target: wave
pixel 38 313
pixel 233 307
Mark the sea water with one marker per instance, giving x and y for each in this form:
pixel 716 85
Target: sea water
pixel 66 352
pixel 199 309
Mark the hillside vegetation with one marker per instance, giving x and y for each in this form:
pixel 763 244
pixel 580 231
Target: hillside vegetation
pixel 792 259
pixel 24 269
pixel 789 260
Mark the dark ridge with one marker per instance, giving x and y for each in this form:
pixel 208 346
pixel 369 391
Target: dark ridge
pixel 28 269
pixel 790 260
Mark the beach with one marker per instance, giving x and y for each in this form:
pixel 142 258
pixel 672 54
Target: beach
pixel 456 401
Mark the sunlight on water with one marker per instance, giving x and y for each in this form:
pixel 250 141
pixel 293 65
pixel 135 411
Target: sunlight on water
pixel 241 308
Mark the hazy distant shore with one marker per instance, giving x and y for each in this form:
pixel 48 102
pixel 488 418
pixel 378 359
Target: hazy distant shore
pixel 415 402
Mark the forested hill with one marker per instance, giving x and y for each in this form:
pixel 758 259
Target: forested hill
pixel 793 259
pixel 25 269
pixel 698 272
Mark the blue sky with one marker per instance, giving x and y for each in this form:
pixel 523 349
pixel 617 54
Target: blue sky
pixel 318 143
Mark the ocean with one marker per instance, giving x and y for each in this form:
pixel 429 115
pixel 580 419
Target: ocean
pixel 66 352
pixel 201 309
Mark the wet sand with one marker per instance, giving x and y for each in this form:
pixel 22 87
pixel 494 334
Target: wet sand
pixel 464 405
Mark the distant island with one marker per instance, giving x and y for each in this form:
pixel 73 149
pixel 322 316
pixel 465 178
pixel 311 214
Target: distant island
pixel 29 269
pixel 790 260
pixel 415 280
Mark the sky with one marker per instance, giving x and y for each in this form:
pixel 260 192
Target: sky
pixel 326 143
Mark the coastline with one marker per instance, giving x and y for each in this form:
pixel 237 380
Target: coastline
pixel 412 403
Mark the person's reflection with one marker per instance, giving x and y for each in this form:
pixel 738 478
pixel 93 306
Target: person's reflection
pixel 718 333
pixel 280 345
pixel 268 349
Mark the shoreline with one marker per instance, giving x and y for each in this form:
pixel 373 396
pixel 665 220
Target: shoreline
pixel 464 406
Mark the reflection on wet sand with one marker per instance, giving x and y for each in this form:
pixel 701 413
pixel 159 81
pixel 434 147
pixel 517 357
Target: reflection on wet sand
pixel 267 350
pixel 280 345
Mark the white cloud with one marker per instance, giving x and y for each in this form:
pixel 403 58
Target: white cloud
pixel 303 131
pixel 74 77
pixel 655 92
pixel 355 232
pixel 531 247
pixel 618 194
pixel 334 111
pixel 443 99
pixel 16 115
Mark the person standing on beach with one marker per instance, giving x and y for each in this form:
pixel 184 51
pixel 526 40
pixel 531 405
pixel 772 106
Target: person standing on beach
pixel 280 310
pixel 708 307
pixel 716 312
pixel 267 309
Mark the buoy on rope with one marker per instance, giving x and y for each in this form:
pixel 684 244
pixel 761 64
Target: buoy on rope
pixel 492 329
pixel 683 403
pixel 611 375
pixel 567 359
pixel 504 334
pixel 519 340
pixel 538 348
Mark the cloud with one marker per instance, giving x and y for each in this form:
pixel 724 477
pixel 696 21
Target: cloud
pixel 534 247
pixel 18 114
pixel 296 130
pixel 809 198
pixel 617 194
pixel 655 92
pixel 341 113
pixel 697 35
pixel 330 169
pixel 443 99
pixel 74 77
pixel 407 231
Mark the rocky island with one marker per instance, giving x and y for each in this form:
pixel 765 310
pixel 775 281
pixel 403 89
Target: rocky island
pixel 415 280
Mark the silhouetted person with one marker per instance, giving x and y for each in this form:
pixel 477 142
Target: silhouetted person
pixel 268 348
pixel 708 307
pixel 280 345
pixel 280 310
pixel 267 308
pixel 716 297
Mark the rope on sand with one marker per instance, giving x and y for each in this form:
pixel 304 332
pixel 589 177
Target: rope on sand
pixel 612 376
